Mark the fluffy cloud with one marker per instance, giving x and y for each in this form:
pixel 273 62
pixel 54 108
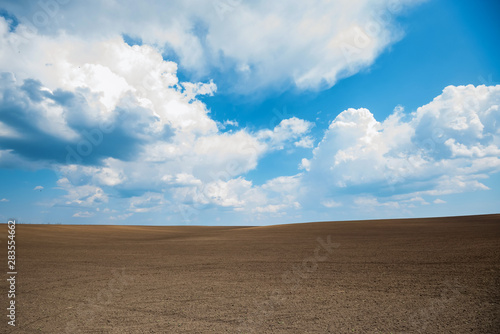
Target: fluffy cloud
pixel 85 195
pixel 330 204
pixel 288 129
pixel 305 142
pixel 309 44
pixel 147 202
pixel 118 125
pixel 115 122
pixel 447 146
pixel 279 196
pixel 83 214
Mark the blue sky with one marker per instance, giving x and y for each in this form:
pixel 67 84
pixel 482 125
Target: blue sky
pixel 248 113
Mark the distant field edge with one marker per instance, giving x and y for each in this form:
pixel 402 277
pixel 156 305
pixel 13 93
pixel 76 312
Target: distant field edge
pixel 491 216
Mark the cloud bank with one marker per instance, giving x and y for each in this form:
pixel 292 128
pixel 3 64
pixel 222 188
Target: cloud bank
pixel 115 122
pixel 261 44
pixel 127 137
pixel 446 146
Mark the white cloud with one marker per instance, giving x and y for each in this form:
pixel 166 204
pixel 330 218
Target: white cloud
pixel 4 200
pixel 356 149
pixel 369 202
pixel 233 153
pixel 438 201
pixel 271 208
pixel 84 195
pixel 447 146
pixel 167 152
pixel 147 202
pixel 277 196
pixel 83 214
pixel 38 188
pixel 121 217
pixel 306 142
pixel 419 200
pixel 311 44
pixel 112 70
pixel 305 164
pixel 163 139
pixel 288 129
pixel 228 194
pixel 283 184
pixel 230 123
pixel 331 204
pixel 182 179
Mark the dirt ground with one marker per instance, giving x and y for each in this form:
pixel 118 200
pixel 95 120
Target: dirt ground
pixel 439 275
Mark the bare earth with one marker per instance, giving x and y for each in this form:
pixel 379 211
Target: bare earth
pixel 439 275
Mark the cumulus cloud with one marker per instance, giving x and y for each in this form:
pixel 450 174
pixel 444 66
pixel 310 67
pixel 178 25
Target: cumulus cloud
pixel 118 125
pixel 83 214
pixel 305 142
pixel 83 195
pixel 123 126
pixel 147 202
pixel 279 196
pixel 264 44
pixel 288 129
pixel 59 127
pixel 331 204
pixel 370 202
pixel 38 188
pixel 305 164
pixel 447 146
pixel 121 217
pixel 271 208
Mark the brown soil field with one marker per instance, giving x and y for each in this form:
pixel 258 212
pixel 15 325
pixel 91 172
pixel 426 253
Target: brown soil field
pixel 434 275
